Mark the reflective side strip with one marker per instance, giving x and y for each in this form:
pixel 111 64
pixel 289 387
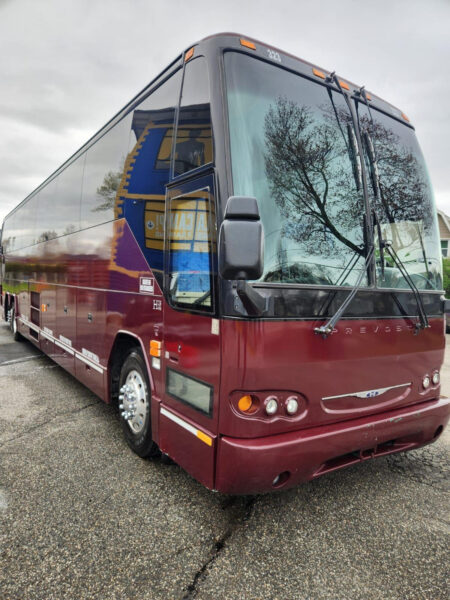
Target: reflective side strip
pixel 29 324
pixel 68 349
pixel 97 368
pixel 199 434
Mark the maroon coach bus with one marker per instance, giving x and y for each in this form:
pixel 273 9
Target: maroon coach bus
pixel 246 260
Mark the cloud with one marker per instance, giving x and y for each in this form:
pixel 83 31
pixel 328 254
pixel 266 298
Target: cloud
pixel 67 67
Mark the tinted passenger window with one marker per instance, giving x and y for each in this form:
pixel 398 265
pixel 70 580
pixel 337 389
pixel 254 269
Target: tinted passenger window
pixel 28 215
pixel 147 170
pixel 45 229
pixel 66 218
pixel 8 234
pixel 103 174
pixel 194 139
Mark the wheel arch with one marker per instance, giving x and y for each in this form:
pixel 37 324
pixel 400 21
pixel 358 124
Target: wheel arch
pixel 124 342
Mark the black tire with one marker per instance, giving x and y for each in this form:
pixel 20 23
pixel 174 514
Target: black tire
pixel 13 325
pixel 140 441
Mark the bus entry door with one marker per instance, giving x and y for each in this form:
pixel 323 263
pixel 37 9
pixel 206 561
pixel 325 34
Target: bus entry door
pixel 189 412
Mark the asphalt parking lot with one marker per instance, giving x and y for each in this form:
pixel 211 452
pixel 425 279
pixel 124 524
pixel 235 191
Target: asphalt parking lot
pixel 82 517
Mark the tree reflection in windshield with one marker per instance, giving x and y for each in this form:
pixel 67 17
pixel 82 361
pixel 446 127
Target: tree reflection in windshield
pixel 301 156
pixel 403 200
pixel 293 148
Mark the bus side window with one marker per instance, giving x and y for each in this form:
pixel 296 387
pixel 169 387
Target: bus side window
pixel 194 140
pixel 192 248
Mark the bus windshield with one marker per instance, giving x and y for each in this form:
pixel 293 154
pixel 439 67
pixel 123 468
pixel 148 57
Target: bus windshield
pixel 293 147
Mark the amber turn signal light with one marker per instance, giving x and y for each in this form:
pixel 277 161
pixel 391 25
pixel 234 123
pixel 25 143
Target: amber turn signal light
pixel 155 348
pixel 245 403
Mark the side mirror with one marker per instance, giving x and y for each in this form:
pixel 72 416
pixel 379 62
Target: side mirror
pixel 241 253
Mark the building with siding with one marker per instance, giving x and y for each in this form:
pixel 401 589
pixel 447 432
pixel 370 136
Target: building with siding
pixel 444 232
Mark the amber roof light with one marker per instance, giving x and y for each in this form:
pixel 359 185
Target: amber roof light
pixel 247 44
pixel 189 54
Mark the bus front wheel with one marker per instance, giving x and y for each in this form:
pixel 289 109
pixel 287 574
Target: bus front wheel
pixel 134 405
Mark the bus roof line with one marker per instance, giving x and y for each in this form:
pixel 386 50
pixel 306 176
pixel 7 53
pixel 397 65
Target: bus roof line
pixel 295 57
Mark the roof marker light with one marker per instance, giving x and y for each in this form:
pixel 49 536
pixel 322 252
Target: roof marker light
pixel 344 85
pixel 318 73
pixel 189 54
pixel 405 117
pixel 247 44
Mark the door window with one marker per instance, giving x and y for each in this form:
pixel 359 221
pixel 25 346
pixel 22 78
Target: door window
pixel 192 250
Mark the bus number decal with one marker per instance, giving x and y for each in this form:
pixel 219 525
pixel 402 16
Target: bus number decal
pixel 147 285
pixel 273 55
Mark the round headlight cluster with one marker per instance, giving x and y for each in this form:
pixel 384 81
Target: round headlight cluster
pixel 252 404
pixel 434 379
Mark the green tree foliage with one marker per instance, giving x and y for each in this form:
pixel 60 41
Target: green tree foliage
pixel 446 272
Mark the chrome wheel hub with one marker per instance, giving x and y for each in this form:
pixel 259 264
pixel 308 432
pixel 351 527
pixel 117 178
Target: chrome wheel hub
pixel 133 401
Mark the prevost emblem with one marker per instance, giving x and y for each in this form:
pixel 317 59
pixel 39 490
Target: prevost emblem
pixel 372 329
pixel 146 285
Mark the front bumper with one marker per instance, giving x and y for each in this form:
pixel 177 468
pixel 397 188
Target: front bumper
pixel 249 466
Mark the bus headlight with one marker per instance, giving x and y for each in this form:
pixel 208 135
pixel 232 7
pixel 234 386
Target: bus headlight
pixel 435 379
pixel 426 382
pixel 271 405
pixel 291 405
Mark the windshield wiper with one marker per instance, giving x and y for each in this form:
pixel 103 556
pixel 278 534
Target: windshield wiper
pixel 352 144
pixel 326 329
pixel 422 322
pixel 374 174
pixel 386 244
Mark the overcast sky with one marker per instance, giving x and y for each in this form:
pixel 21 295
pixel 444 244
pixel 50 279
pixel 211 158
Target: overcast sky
pixel 67 66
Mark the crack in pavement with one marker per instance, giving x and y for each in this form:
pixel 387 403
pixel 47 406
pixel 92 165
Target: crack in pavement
pixel 191 591
pixel 39 425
